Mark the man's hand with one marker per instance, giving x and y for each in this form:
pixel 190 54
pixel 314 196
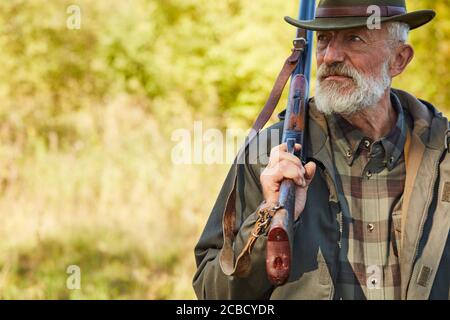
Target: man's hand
pixel 283 165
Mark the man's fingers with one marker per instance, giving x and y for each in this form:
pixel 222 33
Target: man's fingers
pixel 310 171
pixel 283 148
pixel 284 156
pixel 284 169
pixel 280 153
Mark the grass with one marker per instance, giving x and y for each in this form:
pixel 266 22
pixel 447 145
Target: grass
pixel 116 207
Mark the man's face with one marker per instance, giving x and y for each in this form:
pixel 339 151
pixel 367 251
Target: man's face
pixel 353 69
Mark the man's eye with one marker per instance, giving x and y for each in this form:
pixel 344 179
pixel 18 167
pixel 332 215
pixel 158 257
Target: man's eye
pixel 355 38
pixel 322 37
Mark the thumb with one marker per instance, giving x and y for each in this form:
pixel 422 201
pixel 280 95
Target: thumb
pixel 310 171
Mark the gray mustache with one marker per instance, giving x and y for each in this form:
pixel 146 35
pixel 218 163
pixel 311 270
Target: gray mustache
pixel 338 69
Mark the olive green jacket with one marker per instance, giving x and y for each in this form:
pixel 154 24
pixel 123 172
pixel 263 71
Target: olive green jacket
pixel 425 251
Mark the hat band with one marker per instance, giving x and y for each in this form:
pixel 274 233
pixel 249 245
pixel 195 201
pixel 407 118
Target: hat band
pixel 357 11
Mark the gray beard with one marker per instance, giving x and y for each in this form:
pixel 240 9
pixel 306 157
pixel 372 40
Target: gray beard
pixel 332 97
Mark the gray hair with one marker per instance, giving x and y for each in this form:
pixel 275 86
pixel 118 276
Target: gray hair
pixel 398 31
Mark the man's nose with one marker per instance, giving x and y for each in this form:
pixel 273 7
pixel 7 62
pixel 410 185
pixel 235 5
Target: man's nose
pixel 334 53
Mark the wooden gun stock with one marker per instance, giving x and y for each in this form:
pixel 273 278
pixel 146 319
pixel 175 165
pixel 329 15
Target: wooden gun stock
pixel 280 235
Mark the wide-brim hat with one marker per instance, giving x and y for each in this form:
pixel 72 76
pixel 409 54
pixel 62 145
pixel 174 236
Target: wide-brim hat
pixel 346 14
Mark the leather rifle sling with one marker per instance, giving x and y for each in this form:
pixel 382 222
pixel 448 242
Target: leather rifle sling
pixel 227 258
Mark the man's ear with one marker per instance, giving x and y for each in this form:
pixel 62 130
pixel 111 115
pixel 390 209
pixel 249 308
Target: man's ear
pixel 403 55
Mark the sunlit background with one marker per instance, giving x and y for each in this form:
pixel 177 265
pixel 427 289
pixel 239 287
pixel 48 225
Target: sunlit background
pixel 86 120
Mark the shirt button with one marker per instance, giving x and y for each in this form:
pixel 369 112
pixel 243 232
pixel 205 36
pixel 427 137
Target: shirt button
pixel 370 227
pixel 348 153
pixel 366 143
pixel 368 174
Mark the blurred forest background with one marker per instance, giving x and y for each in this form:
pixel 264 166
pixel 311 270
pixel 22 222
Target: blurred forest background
pixel 86 118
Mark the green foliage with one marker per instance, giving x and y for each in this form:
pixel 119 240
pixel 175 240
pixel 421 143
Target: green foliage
pixel 220 59
pixel 428 75
pixel 85 125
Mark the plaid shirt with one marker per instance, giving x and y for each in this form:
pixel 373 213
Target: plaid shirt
pixel 372 176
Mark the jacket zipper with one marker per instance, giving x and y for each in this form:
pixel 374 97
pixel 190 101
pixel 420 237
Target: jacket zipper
pixel 340 229
pixel 339 219
pixel 425 216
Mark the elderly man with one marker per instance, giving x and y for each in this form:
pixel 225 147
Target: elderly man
pixel 372 213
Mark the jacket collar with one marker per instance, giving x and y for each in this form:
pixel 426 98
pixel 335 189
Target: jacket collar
pixel 429 124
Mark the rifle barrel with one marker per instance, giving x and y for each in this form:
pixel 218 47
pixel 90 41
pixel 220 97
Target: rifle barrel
pixel 280 235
